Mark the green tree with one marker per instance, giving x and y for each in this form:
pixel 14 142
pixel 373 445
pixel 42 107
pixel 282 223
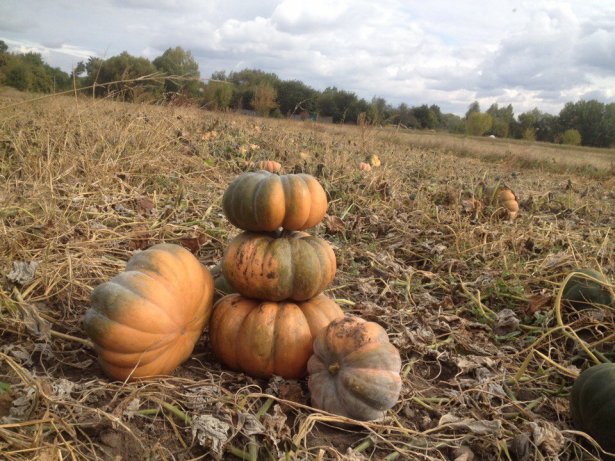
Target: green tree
pixel 571 137
pixel 593 119
pixel 342 105
pixel 295 96
pixel 19 75
pixel 405 116
pixel 378 111
pixel 474 107
pixel 454 123
pixel 264 100
pixel 245 83
pixel 502 120
pixel 117 76
pixel 426 117
pixel 218 94
pixel 181 66
pixel 478 123
pixel 3 47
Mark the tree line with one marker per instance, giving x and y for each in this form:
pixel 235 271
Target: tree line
pixel 175 75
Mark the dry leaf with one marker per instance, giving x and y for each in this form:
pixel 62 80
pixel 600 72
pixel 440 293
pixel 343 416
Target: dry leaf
pixel 33 321
pixel 547 436
pixel 145 206
pixel 23 272
pixel 211 432
pixel 463 453
pixel 478 427
pixel 538 302
pixel 506 321
pixel 334 224
pixel 275 425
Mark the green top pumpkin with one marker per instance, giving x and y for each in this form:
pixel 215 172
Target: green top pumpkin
pixel 581 292
pixel 592 404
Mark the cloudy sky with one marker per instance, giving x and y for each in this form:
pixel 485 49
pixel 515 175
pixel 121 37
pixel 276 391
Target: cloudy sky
pixel 535 53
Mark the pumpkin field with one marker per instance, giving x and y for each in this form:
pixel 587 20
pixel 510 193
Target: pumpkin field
pixel 467 291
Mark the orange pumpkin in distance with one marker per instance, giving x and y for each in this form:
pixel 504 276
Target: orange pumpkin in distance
pixel 263 338
pixel 262 202
pixel 269 165
pixel 146 320
pixel 365 166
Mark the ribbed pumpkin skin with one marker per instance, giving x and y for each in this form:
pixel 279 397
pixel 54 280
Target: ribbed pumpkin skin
pixel 582 293
pixel 505 198
pixel 592 404
pixel 269 165
pixel 146 320
pixel 262 202
pixel 264 338
pixel 354 371
pixel 295 266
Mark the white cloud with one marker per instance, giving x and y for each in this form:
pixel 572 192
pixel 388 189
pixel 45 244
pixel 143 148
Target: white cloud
pixel 526 52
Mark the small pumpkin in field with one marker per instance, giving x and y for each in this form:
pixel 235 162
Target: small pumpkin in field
pixel 592 404
pixel 263 338
pixel 503 199
pixel 262 202
pixel 587 287
pixel 354 371
pixel 365 166
pixel 373 160
pixel 269 165
pixel 146 320
pixel 294 265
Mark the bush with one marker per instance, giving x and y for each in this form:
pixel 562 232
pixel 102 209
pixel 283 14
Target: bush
pixel 571 137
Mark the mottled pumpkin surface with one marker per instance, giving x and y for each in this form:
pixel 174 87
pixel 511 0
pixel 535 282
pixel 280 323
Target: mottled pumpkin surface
pixel 263 201
pixel 294 266
pixel 264 338
pixel 146 320
pixel 354 371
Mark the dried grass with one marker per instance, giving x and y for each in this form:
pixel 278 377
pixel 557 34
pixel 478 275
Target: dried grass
pixel 84 184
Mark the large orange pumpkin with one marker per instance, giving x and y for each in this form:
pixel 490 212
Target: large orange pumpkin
pixel 146 320
pixel 262 201
pixel 354 371
pixel 294 266
pixel 264 338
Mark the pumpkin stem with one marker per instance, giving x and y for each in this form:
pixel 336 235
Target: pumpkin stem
pixel 334 368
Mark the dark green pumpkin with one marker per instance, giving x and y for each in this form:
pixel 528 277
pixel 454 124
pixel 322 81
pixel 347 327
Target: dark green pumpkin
pixel 581 292
pixel 592 404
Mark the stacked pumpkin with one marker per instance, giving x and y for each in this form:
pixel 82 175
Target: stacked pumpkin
pixel 279 273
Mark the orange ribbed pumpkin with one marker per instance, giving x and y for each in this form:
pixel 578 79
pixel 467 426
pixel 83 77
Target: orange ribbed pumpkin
pixel 294 266
pixel 146 320
pixel 264 338
pixel 269 165
pixel 261 201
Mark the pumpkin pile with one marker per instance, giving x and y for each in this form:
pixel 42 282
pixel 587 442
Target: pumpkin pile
pixel 278 273
pixel 145 321
pixel 279 322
